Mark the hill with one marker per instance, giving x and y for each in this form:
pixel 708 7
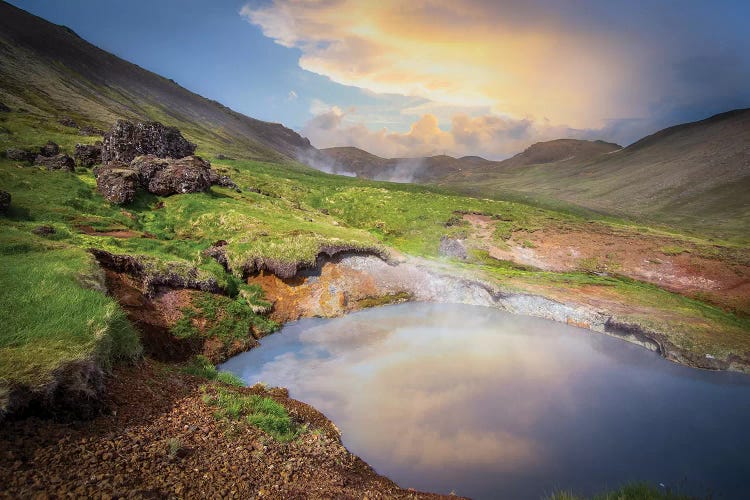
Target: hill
pixel 355 161
pixel 52 73
pixel 694 175
pixel 427 169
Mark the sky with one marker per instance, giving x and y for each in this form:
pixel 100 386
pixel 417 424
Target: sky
pixel 472 77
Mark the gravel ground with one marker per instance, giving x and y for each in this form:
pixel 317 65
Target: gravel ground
pixel 159 439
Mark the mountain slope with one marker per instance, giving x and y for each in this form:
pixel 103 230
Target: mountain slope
pixel 51 72
pixel 696 174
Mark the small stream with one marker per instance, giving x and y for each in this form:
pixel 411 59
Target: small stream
pixel 492 405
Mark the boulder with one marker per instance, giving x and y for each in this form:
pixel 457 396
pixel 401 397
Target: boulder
pixel 43 230
pixel 218 252
pixel 117 183
pixel 88 155
pixel 20 155
pixel 67 121
pixel 221 156
pixel 4 108
pixel 4 202
pixel 185 175
pixel 90 130
pixel 126 140
pixel 57 162
pixel 147 166
pixel 49 149
pixel 452 247
pixel 221 180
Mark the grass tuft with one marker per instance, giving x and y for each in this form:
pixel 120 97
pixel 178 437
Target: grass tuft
pixel 259 411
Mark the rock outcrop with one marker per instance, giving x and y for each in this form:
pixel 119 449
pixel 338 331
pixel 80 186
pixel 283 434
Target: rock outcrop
pixel 56 162
pixel 17 154
pixel 90 130
pixel 186 175
pixel 4 202
pixel 67 121
pixel 452 247
pixel 49 149
pixel 222 180
pixel 126 140
pixel 88 155
pixel 44 230
pixel 117 183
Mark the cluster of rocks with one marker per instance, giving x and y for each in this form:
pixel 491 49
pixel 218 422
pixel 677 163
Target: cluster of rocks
pixel 67 121
pixel 88 155
pixel 49 155
pixel 152 157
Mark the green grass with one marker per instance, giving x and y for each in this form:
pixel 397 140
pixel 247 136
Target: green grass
pixel 673 250
pixel 200 366
pixel 635 491
pixel 51 317
pixel 225 318
pixel 259 411
pixel 298 211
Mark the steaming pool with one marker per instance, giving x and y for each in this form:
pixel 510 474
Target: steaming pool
pixel 492 405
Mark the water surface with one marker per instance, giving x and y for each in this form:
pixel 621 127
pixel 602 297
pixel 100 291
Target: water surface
pixel 492 405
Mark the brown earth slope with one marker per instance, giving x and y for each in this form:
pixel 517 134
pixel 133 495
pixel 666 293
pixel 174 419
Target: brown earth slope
pixel 160 439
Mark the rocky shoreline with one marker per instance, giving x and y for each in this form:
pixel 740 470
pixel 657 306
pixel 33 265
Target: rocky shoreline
pixel 158 439
pixel 343 283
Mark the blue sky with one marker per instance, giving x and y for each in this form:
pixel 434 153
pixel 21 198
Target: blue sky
pixel 438 76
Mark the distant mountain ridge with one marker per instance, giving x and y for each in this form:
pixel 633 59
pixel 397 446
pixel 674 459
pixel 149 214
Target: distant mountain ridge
pixel 435 168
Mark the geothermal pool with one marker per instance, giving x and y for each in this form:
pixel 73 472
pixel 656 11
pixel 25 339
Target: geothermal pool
pixel 488 404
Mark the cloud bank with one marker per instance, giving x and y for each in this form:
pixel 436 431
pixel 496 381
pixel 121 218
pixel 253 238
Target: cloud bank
pixel 491 136
pixel 532 67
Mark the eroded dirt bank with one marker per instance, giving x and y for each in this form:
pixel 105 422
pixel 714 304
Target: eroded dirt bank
pixel 723 280
pixel 160 440
pixel 350 282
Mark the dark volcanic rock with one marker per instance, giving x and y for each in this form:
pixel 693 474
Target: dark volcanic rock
pixel 4 108
pixel 221 180
pixel 127 140
pixel 43 230
pixel 49 149
pixel 218 252
pixel 57 162
pixel 88 155
pixel 452 247
pixel 168 176
pixel 4 202
pixel 20 155
pixel 67 122
pixel 89 130
pixel 117 183
pixel 147 166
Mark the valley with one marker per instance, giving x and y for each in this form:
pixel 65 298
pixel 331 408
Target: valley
pixel 150 234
